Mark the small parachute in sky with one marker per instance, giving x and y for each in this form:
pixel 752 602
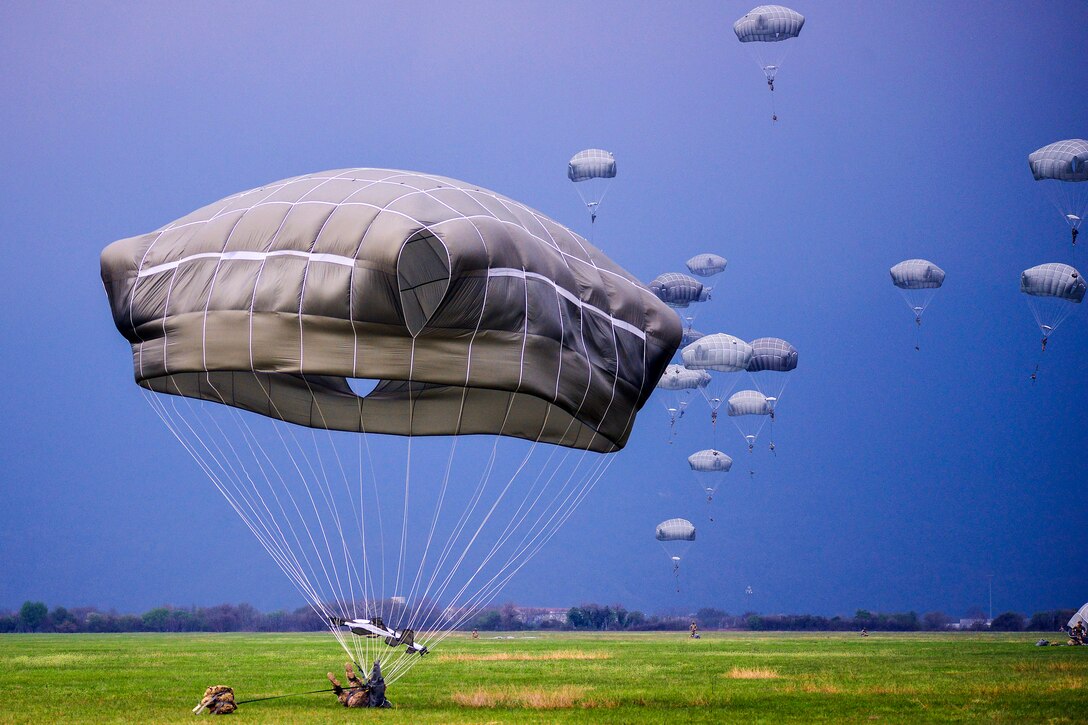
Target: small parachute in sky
pixel 689 335
pixel 723 354
pixel 676 536
pixel 918 281
pixel 762 30
pixel 679 290
pixel 1052 291
pixel 749 410
pixel 708 466
pixel 707 265
pixel 772 360
pixel 677 385
pixel 1063 168
pixel 591 171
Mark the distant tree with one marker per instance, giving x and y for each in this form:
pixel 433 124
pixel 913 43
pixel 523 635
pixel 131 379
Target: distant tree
pixel 509 619
pixel 710 618
pixel 32 616
pixel 156 620
pixel 1050 621
pixel 755 622
pixel 935 620
pixel 1008 622
pixel 488 621
pixel 8 623
pixel 863 618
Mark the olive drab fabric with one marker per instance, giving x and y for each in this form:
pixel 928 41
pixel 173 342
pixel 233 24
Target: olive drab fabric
pixel 475 313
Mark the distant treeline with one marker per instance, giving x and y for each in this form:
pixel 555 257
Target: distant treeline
pixel 37 617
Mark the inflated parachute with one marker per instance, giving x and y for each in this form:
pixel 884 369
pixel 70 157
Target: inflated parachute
pixel 396 333
pixel 1063 168
pixel 918 281
pixel 763 30
pixel 1052 292
pixel 724 354
pixel 675 536
pixel 706 265
pixel 772 359
pixel 677 384
pixel 708 466
pixel 679 290
pixel 591 170
pixel 690 335
pixel 749 410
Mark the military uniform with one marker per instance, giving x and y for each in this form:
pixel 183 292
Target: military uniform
pixel 218 700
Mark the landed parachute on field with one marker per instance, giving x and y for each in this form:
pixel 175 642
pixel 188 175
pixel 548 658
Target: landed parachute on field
pixel 763 30
pixel 723 354
pixel 918 281
pixel 1063 168
pixel 706 265
pixel 399 335
pixel 1053 290
pixel 675 536
pixel 591 171
pixel 708 466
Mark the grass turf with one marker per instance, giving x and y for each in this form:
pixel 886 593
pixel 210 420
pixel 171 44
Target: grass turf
pixel 568 677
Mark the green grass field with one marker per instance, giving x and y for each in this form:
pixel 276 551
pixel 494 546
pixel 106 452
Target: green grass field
pixel 652 677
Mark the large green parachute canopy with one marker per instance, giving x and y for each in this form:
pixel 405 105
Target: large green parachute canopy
pixel 475 313
pixel 1052 291
pixel 679 290
pixel 1063 166
pixel 591 170
pixel 706 265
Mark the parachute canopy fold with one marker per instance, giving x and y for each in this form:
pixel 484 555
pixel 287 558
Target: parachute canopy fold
pixel 676 530
pixel 772 354
pixel 720 352
pixel 769 24
pixel 1062 161
pixel 710 461
pixel 913 274
pixel 591 164
pixel 1053 280
pixel 475 313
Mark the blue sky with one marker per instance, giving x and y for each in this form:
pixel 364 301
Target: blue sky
pixel 902 478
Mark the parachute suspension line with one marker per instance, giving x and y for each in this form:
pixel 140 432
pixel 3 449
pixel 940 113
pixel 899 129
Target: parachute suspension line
pixel 259 527
pixel 532 543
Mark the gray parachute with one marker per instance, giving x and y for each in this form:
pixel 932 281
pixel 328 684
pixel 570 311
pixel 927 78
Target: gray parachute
pixel 772 354
pixel 769 24
pixel 710 461
pixel 675 530
pixel 689 336
pixel 706 265
pixel 1052 292
pixel 918 281
pixel 916 274
pixel 1061 161
pixel 1062 167
pixel 748 402
pixel 720 352
pixel 678 377
pixel 591 170
pixel 679 290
